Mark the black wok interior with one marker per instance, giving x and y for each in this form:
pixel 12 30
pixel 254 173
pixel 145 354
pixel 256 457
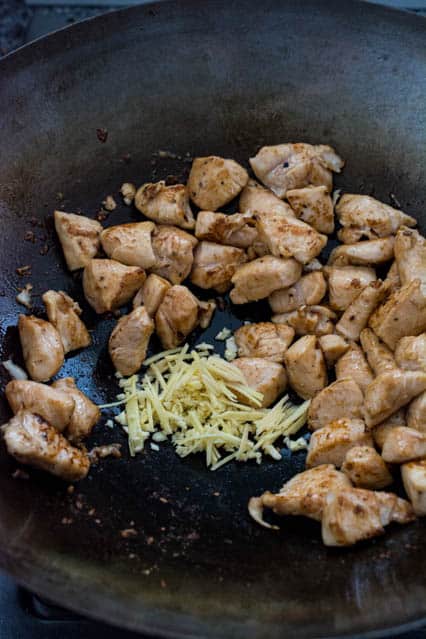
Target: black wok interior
pixel 197 78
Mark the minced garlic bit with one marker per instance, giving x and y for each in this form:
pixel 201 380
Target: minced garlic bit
pixel 231 349
pixel 296 444
pixel 223 334
pixel 196 399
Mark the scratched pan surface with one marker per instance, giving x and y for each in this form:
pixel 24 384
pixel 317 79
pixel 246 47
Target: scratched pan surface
pixel 197 77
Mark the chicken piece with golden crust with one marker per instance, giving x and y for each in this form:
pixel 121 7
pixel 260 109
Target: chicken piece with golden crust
pixel 366 469
pixel 165 204
pixel 152 293
pixel 129 341
pixel 130 244
pixel 255 198
pixel 258 279
pixel 53 405
pixel 234 230
pixel 308 320
pixel 366 253
pixel 329 444
pixel 107 284
pixel 33 441
pixel 314 206
pixel 214 181
pixel 64 313
pixel 380 432
pixel 215 265
pixel 416 413
pixel 305 365
pixel 356 316
pixel 343 398
pixel 345 283
pixel 353 365
pixel 177 316
pixel 85 415
pixel 410 353
pixel 264 376
pixel 390 391
pixel 403 445
pixel 41 346
pixel 173 249
pixel 414 479
pixel 333 347
pixel 309 290
pixel 410 256
pixel 379 356
pixel 79 237
pixel 265 339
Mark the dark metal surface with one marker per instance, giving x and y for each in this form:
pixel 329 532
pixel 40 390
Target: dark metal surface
pixel 213 77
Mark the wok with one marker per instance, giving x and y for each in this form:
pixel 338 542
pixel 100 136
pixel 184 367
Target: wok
pixel 213 77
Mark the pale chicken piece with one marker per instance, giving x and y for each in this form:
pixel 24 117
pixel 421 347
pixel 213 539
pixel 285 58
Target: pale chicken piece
pixel 410 353
pixel 354 365
pixel 308 320
pixel 205 312
pixel 264 376
pixel 165 204
pixel 309 290
pixel 381 431
pixel 312 266
pixel 329 444
pixel 414 479
pixel 345 283
pixel 255 198
pixel 235 230
pixel 292 166
pixel 403 445
pixel 214 181
pixel 258 279
pixel 343 398
pixel 366 253
pixel 174 253
pixel 410 256
pixel 379 356
pixel 392 280
pixel 177 316
pixel 33 441
pixel 215 265
pixel 85 415
pixel 333 347
pixel 107 284
pixel 41 346
pixel 356 316
pixel 129 341
pixel 152 293
pixel 314 206
pixel 366 468
pixel 130 244
pixel 53 405
pixel 286 236
pixel 364 216
pixel 79 237
pixel 390 391
pixel 265 339
pixel 64 313
pixel 355 514
pixel 305 365
pixel 416 413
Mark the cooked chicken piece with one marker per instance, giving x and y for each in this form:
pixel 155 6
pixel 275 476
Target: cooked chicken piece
pixel 152 293
pixel 379 357
pixel 107 284
pixel 390 391
pixel 173 249
pixel 354 514
pixel 366 469
pixel 305 365
pixel 215 181
pixel 410 256
pixel 312 266
pixel 205 312
pixel 130 244
pixel 416 413
pixel 129 341
pixel 215 265
pixel 356 316
pixel 363 216
pixel 53 405
pixel 63 312
pixel 343 398
pixel 403 313
pixel 79 237
pixel 291 166
pixel 329 444
pixel 353 365
pixel 392 280
pixel 165 204
pixel 314 206
pixel 345 283
pixel 286 236
pixel 308 320
pixel 41 346
pixel 236 230
pixel 177 316
pixel 266 340
pixel 380 432
pixel 259 278
pixel 363 253
pixel 414 479
pixel 403 445
pixel 264 376
pixel 309 290
pixel 255 198
pixel 33 441
pixel 410 353
pixel 333 347
pixel 85 415
pixel 257 249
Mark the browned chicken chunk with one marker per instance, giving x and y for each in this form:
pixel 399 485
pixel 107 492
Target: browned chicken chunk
pixel 380 432
pixel 173 249
pixel 255 198
pixel 165 204
pixel 410 256
pixel 307 373
pixel 236 230
pixel 416 413
pixel 152 293
pixel 329 444
pixel 345 283
pixel 379 357
pixel 214 265
pixel 129 341
pixel 366 469
pixel 356 316
pixel 353 365
pixel 107 284
pixel 264 376
pixel 309 290
pixel 85 415
pixel 403 445
pixel 286 236
pixel 390 391
pixel 333 347
pixel 215 181
pixel 259 278
pixel 79 237
pixel 41 346
pixel 414 480
pixel 177 316
pixel 340 399
pixel 410 353
pixel 64 313
pixel 130 244
pixel 366 253
pixel 392 281
pixel 266 340
pixel 308 320
pixel 53 405
pixel 314 206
